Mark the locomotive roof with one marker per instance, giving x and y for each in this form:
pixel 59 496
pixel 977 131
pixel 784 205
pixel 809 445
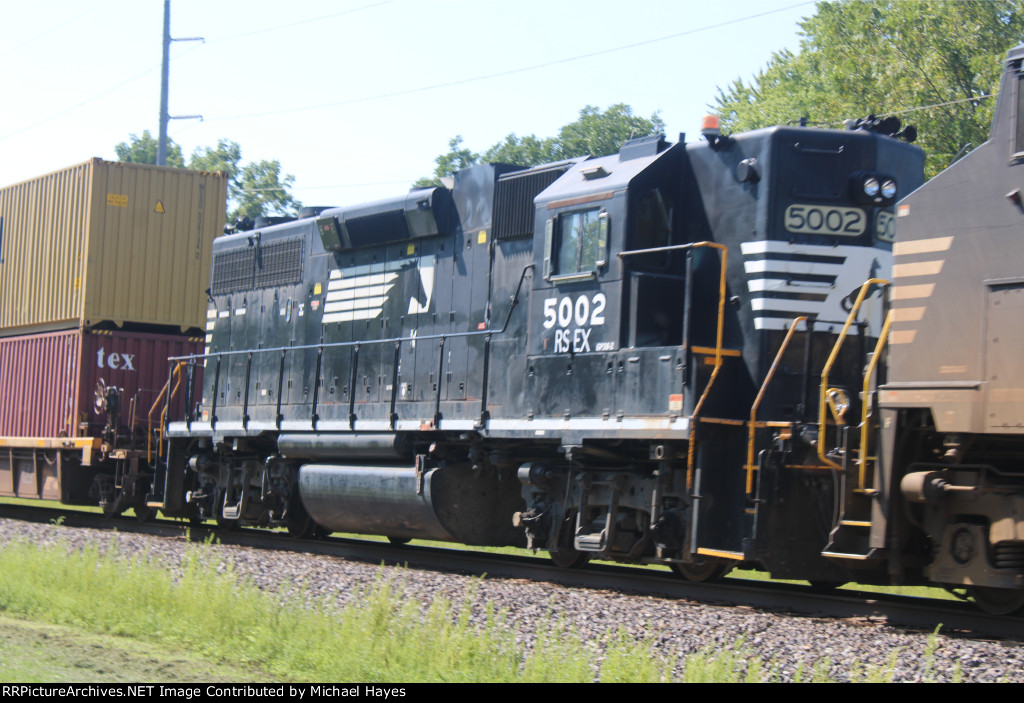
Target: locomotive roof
pixel 599 175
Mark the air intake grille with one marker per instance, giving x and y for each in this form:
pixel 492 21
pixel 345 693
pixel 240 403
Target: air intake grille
pixel 378 228
pixel 280 264
pixel 273 264
pixel 513 201
pixel 233 271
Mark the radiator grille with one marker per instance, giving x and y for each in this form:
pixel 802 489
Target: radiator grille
pixel 273 264
pixel 377 228
pixel 279 264
pixel 513 201
pixel 233 271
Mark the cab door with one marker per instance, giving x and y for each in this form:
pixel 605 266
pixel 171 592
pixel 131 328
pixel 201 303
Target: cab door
pixel 574 316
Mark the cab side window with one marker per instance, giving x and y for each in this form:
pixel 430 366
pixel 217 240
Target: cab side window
pixel 577 243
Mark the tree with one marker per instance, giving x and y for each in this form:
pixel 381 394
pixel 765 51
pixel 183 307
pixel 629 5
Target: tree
pixel 256 189
pixel 457 158
pixel 597 134
pixel 888 57
pixel 263 191
pixel 593 134
pixel 224 157
pixel 142 150
pixel 525 151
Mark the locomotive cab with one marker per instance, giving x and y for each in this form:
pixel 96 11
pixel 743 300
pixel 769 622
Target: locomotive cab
pixel 594 307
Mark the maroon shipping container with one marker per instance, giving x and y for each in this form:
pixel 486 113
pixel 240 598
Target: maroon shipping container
pixel 48 381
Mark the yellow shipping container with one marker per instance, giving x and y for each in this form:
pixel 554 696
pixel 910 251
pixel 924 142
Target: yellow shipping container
pixel 107 241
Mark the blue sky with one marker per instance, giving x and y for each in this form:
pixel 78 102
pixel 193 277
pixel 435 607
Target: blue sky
pixel 357 97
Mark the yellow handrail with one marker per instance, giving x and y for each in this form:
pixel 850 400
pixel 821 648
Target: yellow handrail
pixel 760 396
pixel 822 400
pixel 862 459
pixel 175 374
pixel 718 357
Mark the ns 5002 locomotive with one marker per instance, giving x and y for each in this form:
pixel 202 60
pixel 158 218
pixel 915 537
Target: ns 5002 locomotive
pixel 582 357
pixel 672 354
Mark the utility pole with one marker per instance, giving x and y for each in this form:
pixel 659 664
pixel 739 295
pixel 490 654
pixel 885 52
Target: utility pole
pixel 161 149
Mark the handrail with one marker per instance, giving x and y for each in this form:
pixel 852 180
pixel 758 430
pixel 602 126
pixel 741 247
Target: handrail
pixel 194 359
pixel 760 396
pixel 822 400
pixel 724 253
pixel 862 459
pixel 513 302
pixel 175 374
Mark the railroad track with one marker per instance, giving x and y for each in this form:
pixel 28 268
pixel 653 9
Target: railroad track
pixel 912 612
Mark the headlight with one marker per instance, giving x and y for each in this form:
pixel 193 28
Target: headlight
pixel 871 187
pixel 889 188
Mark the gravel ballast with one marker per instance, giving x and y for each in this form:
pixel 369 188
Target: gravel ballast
pixel 784 644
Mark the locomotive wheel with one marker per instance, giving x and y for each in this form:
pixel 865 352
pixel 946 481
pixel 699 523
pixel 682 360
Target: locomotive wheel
pixel 701 570
pixel 302 529
pixel 569 558
pixel 997 601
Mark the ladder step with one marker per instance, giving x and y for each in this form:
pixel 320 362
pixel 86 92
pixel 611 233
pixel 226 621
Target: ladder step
pixel 855 523
pixel 721 553
pixel 593 542
pixel 841 555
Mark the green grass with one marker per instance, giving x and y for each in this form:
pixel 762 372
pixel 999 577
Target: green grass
pixel 207 613
pixel 745 574
pixel 383 635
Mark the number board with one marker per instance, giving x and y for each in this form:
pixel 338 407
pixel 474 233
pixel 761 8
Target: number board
pixel 885 226
pixel 824 219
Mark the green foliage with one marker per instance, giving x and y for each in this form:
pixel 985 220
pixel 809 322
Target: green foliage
pixel 224 157
pixel 262 190
pixel 597 134
pixel 255 189
pixel 558 657
pixel 888 57
pixel 594 133
pixel 629 661
pixel 142 150
pixel 521 151
pixel 457 158
pixel 876 674
pixel 725 666
pixel 819 672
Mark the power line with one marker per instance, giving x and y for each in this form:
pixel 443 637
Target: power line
pixel 512 71
pixel 300 22
pixel 150 70
pixel 907 110
pixel 34 40
pixel 94 98
pixel 983 96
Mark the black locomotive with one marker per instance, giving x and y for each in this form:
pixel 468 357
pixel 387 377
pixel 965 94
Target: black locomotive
pixel 570 357
pixel 674 354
